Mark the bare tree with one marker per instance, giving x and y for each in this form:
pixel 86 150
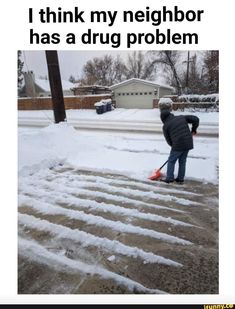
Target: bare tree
pixel 20 64
pixel 139 66
pixel 168 59
pixel 191 78
pixel 103 71
pixel 210 74
pixel 107 70
pixel 199 76
pixel 72 79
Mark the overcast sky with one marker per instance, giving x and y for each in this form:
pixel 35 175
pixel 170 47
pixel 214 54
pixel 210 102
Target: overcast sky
pixel 71 62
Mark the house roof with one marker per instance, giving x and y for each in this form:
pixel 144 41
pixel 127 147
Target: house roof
pixel 45 85
pixel 78 85
pixel 137 80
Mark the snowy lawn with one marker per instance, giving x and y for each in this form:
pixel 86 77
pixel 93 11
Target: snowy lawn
pixel 129 154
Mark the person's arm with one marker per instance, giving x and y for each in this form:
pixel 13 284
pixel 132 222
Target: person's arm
pixel 167 137
pixel 194 120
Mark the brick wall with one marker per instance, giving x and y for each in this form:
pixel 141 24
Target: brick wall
pixel 72 102
pixel 155 103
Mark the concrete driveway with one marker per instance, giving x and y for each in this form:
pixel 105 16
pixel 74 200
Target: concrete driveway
pixel 84 232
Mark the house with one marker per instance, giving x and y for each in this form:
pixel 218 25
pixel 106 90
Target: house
pixel 138 93
pixel 90 89
pixel 36 87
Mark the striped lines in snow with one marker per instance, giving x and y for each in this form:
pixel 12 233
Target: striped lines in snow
pixel 45 195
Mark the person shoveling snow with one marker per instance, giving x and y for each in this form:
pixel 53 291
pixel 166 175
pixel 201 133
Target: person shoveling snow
pixel 178 135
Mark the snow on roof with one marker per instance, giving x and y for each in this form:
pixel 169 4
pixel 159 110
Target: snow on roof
pixel 45 85
pixel 78 85
pixel 138 80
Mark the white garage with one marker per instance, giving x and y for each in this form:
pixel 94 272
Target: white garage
pixel 138 93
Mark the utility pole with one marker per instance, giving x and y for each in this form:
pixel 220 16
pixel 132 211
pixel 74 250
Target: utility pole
pixel 56 86
pixel 187 71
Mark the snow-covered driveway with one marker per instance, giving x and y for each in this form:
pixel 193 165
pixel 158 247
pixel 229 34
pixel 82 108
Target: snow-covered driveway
pixel 90 232
pixel 91 222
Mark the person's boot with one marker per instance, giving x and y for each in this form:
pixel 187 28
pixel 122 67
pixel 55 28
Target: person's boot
pixel 166 180
pixel 179 181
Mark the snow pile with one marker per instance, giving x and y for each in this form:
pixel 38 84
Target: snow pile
pixel 100 103
pixel 103 102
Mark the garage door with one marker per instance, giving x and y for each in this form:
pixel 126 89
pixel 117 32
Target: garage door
pixel 134 100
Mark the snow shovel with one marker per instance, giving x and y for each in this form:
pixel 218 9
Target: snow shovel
pixel 157 173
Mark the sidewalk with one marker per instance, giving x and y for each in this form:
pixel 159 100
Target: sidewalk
pixel 142 121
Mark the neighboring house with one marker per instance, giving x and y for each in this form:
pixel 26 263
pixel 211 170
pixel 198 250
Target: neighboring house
pixel 138 93
pixel 36 87
pixel 90 89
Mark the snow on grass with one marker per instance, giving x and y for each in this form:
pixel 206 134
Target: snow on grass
pixel 104 152
pixel 50 209
pixel 39 254
pixel 87 239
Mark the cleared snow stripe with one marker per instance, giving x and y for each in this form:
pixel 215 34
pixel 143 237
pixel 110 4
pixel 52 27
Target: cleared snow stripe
pixel 69 189
pixel 50 209
pixel 103 207
pixel 138 193
pixel 39 254
pixel 121 191
pixel 78 202
pixel 87 239
pixel 122 199
pixel 100 179
pixel 128 192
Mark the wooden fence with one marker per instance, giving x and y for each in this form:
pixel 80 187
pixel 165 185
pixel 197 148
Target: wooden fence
pixel 88 101
pixel 71 102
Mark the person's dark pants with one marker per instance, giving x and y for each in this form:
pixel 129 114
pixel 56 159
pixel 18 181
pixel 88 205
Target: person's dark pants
pixel 181 156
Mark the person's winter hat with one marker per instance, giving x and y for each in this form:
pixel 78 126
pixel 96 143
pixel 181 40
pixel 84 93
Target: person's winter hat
pixel 165 104
pixel 165 113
